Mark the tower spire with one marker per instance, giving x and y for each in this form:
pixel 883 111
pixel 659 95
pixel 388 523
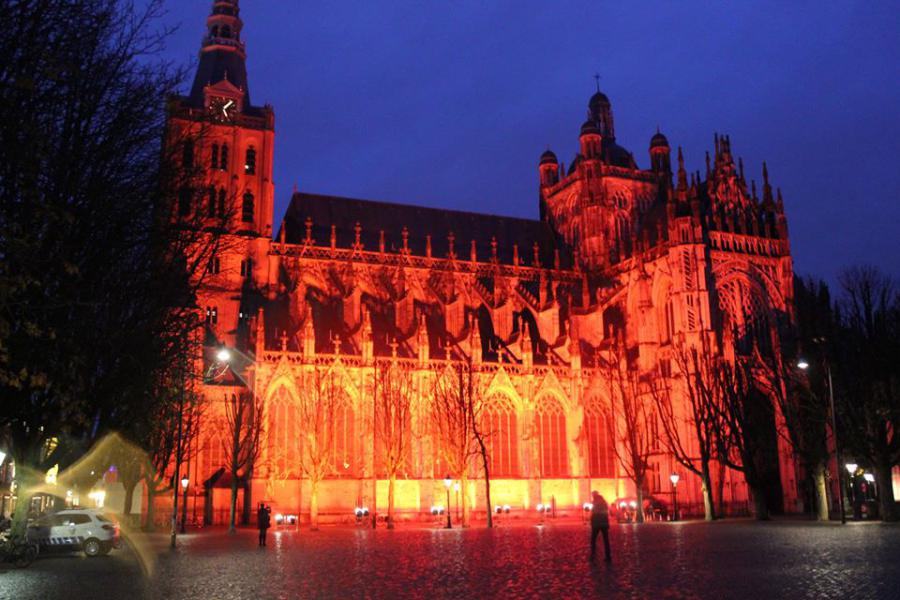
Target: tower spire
pixel 222 53
pixel 682 175
pixel 767 189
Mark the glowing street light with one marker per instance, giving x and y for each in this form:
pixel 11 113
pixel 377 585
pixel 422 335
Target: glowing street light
pixel 448 482
pixel 851 468
pixel 185 481
pixel 802 364
pixel 223 355
pixel 674 479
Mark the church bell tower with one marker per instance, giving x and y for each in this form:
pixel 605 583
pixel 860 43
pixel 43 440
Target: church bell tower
pixel 231 143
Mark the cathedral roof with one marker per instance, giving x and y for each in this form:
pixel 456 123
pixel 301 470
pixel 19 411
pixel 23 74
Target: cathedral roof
pixel 420 221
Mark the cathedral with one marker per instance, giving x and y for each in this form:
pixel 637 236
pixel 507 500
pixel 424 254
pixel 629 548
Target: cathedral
pixel 638 261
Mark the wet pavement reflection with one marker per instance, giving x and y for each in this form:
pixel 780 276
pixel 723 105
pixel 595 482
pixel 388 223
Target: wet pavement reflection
pixel 654 560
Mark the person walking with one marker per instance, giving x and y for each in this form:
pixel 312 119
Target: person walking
pixel 599 524
pixel 262 522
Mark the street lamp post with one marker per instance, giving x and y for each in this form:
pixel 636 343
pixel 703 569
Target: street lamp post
pixel 803 365
pixel 456 489
pixel 447 483
pixel 674 479
pixel 851 475
pixel 178 456
pixel 184 488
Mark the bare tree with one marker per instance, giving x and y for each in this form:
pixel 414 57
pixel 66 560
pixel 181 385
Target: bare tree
pixel 321 398
pixel 632 416
pixel 453 426
pixel 805 412
pixel 243 423
pixel 693 419
pixel 177 416
pixel 742 408
pixel 867 353
pixel 393 422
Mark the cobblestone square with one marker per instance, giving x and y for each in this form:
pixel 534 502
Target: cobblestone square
pixel 656 560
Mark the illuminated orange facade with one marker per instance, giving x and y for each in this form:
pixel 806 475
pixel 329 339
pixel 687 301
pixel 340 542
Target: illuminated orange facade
pixel 648 256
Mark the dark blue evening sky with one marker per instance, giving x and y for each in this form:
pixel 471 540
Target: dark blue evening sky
pixel 449 104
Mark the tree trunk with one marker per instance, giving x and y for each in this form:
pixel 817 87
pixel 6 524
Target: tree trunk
pixel 26 480
pixel 709 512
pixel 821 493
pixel 150 526
pixel 721 484
pixel 885 491
pixel 390 515
pixel 760 508
pixel 129 497
pixel 639 514
pixel 465 504
pixel 248 502
pixel 314 505
pixel 233 507
pixel 487 496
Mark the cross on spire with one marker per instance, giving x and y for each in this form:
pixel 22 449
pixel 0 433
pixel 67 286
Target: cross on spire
pixel 597 79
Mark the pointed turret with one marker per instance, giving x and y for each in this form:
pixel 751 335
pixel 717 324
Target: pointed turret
pixel 767 189
pixel 659 154
pixel 682 174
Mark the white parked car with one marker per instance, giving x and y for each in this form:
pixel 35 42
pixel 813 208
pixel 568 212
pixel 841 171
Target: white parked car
pixel 75 529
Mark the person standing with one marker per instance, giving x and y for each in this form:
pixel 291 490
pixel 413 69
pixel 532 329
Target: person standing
pixel 599 524
pixel 263 522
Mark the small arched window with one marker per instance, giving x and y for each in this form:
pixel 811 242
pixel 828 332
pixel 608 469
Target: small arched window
pixel 214 157
pixel 188 154
pixel 669 323
pixel 223 156
pixel 225 32
pixel 221 207
pixel 211 202
pixel 250 162
pixel 185 196
pixel 215 31
pixel 247 209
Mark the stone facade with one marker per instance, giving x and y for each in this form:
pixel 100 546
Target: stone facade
pixel 640 259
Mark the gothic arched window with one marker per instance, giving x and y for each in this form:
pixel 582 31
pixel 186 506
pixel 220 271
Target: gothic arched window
pixel 600 442
pixel 247 209
pixel 551 431
pixel 213 455
pixel 283 447
pixel 500 427
pixel 214 157
pixel 223 158
pixel 343 439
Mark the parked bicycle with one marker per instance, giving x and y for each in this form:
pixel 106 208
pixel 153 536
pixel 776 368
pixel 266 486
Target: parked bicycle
pixel 17 551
